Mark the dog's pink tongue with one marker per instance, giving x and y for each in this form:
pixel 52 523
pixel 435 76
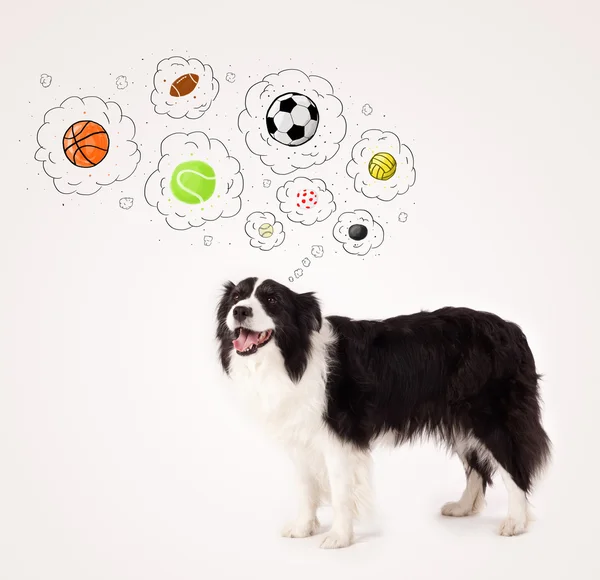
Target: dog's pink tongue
pixel 246 339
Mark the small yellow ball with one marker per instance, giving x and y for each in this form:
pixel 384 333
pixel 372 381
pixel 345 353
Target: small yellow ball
pixel 265 230
pixel 382 166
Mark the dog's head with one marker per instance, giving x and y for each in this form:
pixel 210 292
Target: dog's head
pixel 254 316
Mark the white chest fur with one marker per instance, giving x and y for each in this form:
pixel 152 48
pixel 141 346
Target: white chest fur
pixel 291 412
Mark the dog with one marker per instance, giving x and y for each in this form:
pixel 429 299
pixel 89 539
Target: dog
pixel 332 388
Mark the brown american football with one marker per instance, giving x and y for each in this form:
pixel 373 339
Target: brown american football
pixel 184 85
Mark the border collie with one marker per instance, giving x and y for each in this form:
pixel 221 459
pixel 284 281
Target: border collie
pixel 330 389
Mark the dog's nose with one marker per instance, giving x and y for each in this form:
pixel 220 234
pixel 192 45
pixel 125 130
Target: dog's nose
pixel 240 313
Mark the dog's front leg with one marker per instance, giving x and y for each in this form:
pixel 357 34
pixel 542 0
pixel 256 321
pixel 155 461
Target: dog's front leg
pixel 338 459
pixel 306 523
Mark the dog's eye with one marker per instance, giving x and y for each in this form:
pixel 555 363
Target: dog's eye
pixel 236 297
pixel 271 299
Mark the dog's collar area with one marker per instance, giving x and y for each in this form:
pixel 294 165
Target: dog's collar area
pixel 248 341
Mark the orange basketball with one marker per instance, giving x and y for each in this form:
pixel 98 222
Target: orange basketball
pixel 85 143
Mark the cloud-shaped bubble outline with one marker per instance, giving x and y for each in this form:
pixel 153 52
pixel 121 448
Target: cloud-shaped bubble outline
pixel 121 82
pixel 286 195
pixel 374 237
pixel 281 158
pixel 230 182
pixel 376 141
pixel 120 162
pixel 253 223
pixel 317 251
pixel 192 106
pixel 126 202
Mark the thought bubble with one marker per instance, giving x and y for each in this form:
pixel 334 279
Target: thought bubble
pixel 381 166
pixel 230 77
pixel 208 240
pixel 121 82
pixel 86 144
pixel 367 109
pixel 126 202
pixel 402 217
pixel 298 273
pixel 197 181
pixel 358 232
pixel 306 201
pixel 324 142
pixel 317 251
pixel 264 231
pixel 45 80
pixel 183 88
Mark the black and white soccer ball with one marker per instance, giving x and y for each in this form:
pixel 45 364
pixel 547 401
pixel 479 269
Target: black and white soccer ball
pixel 292 119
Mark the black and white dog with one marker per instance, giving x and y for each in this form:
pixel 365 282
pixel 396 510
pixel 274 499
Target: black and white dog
pixel 330 389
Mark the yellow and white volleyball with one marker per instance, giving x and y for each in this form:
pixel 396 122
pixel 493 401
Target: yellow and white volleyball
pixel 306 201
pixel 358 232
pixel 281 158
pixel 119 162
pixel 183 88
pixel 381 166
pixel 264 231
pixel 197 181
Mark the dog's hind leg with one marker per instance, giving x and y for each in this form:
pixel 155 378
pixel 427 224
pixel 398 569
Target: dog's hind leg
pixel 520 446
pixel 478 472
pixel 518 516
pixel 519 458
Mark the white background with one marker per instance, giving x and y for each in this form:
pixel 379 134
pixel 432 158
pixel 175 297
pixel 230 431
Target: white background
pixel 122 455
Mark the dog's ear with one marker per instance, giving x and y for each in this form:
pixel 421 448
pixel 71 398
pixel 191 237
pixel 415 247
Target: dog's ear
pixel 310 311
pixel 228 287
pixel 222 308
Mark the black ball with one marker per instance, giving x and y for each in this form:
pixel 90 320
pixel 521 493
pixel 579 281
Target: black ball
pixel 357 232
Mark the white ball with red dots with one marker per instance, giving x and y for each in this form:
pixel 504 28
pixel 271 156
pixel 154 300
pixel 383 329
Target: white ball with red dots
pixel 306 199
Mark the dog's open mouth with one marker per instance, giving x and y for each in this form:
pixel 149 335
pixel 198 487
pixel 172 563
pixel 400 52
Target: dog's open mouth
pixel 249 341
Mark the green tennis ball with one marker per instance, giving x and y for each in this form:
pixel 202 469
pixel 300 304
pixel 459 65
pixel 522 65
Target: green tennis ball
pixel 193 182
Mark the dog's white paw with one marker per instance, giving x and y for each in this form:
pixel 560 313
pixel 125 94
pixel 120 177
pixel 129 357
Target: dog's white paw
pixel 513 527
pixel 457 510
pixel 300 528
pixel 334 540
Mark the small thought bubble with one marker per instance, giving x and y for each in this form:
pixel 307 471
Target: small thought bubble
pixel 230 77
pixel 208 240
pixel 121 82
pixel 306 262
pixel 317 251
pixel 403 216
pixel 298 273
pixel 291 278
pixel 126 202
pixel 367 109
pixel 266 183
pixel 45 80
